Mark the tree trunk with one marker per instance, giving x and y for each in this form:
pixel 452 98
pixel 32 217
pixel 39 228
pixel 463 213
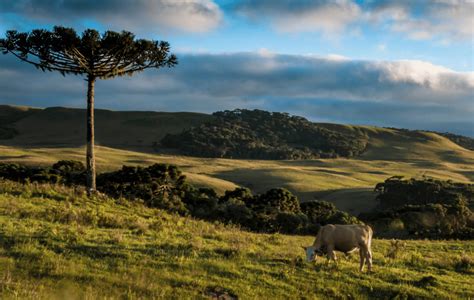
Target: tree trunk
pixel 90 156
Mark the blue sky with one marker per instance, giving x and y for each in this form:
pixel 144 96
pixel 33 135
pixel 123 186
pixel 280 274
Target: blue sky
pixel 388 63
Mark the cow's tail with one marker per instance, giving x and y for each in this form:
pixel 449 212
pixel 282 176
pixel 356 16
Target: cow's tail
pixel 371 233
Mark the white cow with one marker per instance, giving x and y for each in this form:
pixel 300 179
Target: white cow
pixel 343 238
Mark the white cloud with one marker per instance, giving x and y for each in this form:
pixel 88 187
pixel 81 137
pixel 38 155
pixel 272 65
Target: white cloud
pixel 425 74
pixel 336 57
pixel 153 16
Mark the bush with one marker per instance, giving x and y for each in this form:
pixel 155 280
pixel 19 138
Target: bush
pixel 71 172
pixel 24 174
pixel 464 264
pixel 322 213
pixel 279 199
pixel 240 193
pixel 318 212
pixel 201 202
pixel 290 222
pixel 236 212
pixel 159 185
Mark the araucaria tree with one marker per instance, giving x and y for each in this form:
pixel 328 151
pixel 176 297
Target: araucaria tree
pixel 91 55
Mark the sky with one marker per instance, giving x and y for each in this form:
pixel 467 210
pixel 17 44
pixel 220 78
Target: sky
pixel 405 64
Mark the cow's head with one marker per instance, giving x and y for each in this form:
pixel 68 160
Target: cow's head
pixel 310 253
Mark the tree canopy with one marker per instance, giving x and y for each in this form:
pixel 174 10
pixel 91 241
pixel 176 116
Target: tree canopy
pixel 103 56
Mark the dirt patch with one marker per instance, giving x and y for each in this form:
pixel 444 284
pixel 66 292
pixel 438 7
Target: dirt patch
pixel 220 293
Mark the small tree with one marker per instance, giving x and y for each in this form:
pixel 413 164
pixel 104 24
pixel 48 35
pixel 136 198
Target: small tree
pixel 91 55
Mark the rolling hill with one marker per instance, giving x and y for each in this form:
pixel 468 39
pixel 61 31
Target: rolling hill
pixel 44 136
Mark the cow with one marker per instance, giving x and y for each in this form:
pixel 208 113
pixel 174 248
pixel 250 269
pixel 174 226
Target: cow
pixel 343 238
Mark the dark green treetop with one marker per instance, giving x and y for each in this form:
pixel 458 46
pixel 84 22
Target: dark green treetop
pixel 99 56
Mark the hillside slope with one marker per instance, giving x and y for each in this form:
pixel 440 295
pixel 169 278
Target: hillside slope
pixel 55 243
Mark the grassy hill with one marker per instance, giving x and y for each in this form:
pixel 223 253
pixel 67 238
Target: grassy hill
pixel 47 135
pixel 55 243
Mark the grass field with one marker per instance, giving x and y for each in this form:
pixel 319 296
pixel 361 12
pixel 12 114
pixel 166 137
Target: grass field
pixel 55 243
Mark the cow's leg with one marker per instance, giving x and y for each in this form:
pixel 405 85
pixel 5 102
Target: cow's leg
pixel 332 254
pixel 362 255
pixel 369 260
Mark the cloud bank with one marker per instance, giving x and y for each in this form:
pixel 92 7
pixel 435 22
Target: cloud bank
pixel 414 94
pixel 134 15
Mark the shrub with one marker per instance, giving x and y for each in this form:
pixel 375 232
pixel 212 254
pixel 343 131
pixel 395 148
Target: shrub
pixel 395 247
pixel 235 211
pixel 241 193
pixel 318 212
pixel 24 174
pixel 71 172
pixel 322 213
pixel 159 185
pixel 464 264
pixel 201 202
pixel 279 199
pixel 290 222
